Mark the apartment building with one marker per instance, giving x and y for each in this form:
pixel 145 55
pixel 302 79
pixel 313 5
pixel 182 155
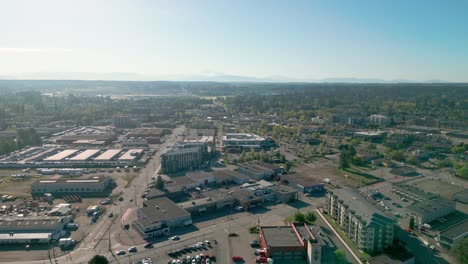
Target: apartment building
pixel 362 221
pixel 183 156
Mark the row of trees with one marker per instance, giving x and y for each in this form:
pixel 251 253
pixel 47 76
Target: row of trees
pixel 24 137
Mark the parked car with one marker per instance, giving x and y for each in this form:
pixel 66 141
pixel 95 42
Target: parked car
pixel 237 258
pixel 120 252
pixel 132 249
pixel 175 238
pixel 148 245
pixel 254 243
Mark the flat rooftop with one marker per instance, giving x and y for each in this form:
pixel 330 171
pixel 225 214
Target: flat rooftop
pixel 199 175
pixel 25 236
pixel 162 209
pixel 456 231
pixel 360 206
pixel 94 179
pixel 25 224
pixel 280 236
pixel 108 154
pixel 85 154
pixel 131 154
pixel 61 155
pixel 429 206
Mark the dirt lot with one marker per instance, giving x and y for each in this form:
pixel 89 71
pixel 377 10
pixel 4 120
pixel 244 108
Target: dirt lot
pixel 321 168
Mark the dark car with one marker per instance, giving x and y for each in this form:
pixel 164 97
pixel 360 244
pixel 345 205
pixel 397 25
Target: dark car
pixel 148 245
pixel 120 199
pixel 254 243
pixel 237 258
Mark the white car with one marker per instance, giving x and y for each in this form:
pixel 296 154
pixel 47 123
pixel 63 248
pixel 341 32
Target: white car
pixel 175 238
pixel 239 208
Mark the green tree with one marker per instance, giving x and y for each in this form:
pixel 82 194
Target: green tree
pixel 411 223
pixel 310 217
pixel 159 183
pixel 287 166
pixel 299 217
pixel 340 256
pixel 344 160
pixel 462 171
pixel 460 251
pixel 98 259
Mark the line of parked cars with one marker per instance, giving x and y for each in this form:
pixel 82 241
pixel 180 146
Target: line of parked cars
pixel 197 259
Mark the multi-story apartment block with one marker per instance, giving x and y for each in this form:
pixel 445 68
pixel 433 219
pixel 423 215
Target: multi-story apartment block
pixel 362 221
pixel 183 156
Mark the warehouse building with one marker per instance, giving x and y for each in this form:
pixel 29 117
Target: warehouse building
pixel 452 235
pixel 362 221
pixel 94 186
pixel 31 230
pixel 427 211
pixel 159 217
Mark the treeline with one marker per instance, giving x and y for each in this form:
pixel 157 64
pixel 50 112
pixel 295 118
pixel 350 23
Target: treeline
pixel 24 137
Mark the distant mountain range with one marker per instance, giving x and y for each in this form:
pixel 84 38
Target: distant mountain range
pixel 217 77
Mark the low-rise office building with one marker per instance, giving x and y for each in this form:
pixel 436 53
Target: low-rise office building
pixel 296 242
pixel 159 216
pixel 283 193
pixel 429 210
pixel 363 222
pixel 94 186
pixel 237 142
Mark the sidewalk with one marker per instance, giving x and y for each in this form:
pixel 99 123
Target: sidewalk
pixel 339 237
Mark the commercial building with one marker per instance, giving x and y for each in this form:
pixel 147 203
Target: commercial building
pixel 61 155
pixel 229 176
pixel 31 230
pixel 212 201
pixel 94 186
pixel 452 235
pixel 151 135
pixel 283 193
pixel 427 211
pixel 108 155
pixel 160 216
pixel 131 155
pixel 85 155
pixel 411 192
pixel 201 177
pixel 254 171
pixel 296 242
pixel 363 222
pixel 303 183
pixel 183 156
pixel 237 142
pixel 86 139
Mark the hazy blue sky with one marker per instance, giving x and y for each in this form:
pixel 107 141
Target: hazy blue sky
pixel 410 39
